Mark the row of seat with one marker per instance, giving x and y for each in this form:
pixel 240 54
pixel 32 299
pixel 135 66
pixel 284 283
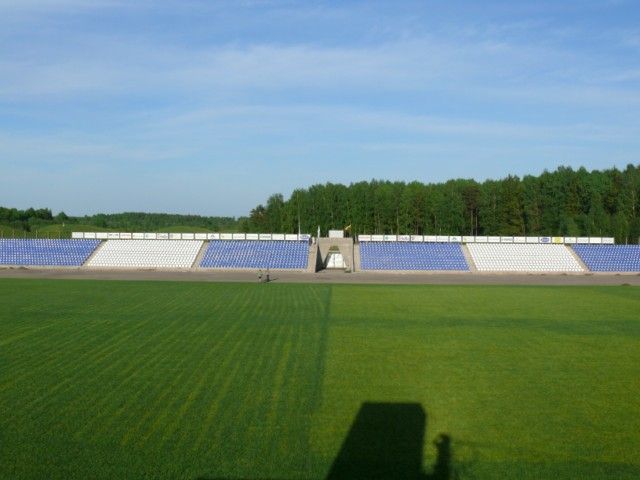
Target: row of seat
pixel 412 256
pixel 273 254
pixel 46 252
pixel 610 258
pixel 523 258
pixel 146 254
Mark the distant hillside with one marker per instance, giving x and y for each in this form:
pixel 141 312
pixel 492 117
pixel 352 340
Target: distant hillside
pixel 42 223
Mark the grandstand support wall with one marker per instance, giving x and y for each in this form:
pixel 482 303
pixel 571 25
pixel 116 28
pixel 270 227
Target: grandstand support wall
pixel 200 256
pixel 312 265
pixel 578 259
pixel 356 258
pixel 469 258
pixel 93 254
pixel 345 246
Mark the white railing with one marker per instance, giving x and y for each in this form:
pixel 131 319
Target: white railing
pixel 190 236
pixel 484 239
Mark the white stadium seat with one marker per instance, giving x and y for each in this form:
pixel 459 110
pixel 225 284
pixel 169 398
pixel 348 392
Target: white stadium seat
pixel 523 258
pixel 146 254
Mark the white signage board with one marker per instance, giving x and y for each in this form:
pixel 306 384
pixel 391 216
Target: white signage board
pixel 570 240
pixel 430 238
pixel 175 236
pixel 482 239
pixel 277 236
pixel 390 238
pixel 377 238
pixel 595 240
pixel 201 236
pixel 255 236
pixel 305 237
pixel 506 239
pixel 162 236
pixel 469 239
pixel 404 238
pixel 125 236
pixel 113 235
pixel 188 236
pixel 533 240
pixel 137 236
pixel 608 240
pixel 213 236
pixel 151 236
pixel 100 235
pixel 336 234
pixel 417 238
pixel 265 236
pixel 455 238
pixel 519 239
pixel 288 236
pixel 493 239
pixel 544 239
pixel 226 236
pixel 77 235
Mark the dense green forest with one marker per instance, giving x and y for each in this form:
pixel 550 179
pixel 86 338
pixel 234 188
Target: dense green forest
pixel 564 202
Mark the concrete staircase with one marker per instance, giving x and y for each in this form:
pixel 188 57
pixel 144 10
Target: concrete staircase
pixel 344 245
pixel 200 256
pixel 469 258
pixel 94 253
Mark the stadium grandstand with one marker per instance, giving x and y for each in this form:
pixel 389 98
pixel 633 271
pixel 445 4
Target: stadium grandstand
pixel 387 253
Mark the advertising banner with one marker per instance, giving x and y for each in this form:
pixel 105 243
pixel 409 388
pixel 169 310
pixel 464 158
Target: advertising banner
pixel 519 239
pixel 404 238
pixel 493 239
pixel 99 235
pixel 162 236
pixel 544 240
pixel 417 238
pixel 137 236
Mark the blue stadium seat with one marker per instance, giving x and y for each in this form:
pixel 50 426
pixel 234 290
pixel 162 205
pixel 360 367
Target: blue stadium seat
pixel 46 252
pixel 610 258
pixel 411 256
pixel 274 254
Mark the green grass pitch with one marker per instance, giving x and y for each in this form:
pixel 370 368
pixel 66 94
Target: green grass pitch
pixel 247 381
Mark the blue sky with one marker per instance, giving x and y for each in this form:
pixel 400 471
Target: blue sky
pixel 208 107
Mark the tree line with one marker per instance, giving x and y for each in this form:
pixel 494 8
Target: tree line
pixel 31 219
pixel 563 202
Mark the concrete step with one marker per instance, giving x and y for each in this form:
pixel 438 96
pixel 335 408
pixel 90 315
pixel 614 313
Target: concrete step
pixel 200 256
pixel 468 258
pixel 94 253
pixel 578 259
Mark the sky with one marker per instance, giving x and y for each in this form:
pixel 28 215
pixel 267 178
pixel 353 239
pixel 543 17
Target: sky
pixel 209 107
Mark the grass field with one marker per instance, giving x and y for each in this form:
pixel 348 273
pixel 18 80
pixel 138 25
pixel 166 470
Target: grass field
pixel 199 380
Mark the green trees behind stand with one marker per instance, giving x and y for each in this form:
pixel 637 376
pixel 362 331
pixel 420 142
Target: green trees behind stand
pixel 564 202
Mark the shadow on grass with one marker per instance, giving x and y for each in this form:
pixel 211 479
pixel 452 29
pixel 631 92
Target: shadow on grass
pixel 385 442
